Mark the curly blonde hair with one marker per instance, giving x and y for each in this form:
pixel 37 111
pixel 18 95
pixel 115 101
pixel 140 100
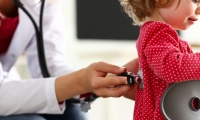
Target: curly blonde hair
pixel 138 10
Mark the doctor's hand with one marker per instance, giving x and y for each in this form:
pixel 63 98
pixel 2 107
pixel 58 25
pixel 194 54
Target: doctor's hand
pixel 96 81
pixel 132 67
pixel 92 79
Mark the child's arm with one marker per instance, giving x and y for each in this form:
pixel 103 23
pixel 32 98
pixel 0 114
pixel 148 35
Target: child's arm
pixel 132 66
pixel 170 59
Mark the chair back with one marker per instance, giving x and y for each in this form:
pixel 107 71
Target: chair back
pixel 181 101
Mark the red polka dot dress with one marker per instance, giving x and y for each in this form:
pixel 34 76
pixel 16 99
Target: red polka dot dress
pixel 164 59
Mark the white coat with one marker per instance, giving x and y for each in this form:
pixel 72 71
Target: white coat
pixel 36 95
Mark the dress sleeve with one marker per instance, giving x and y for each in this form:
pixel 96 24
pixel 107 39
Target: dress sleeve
pixel 169 58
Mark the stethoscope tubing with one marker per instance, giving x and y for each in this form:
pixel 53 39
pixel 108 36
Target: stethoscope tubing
pixel 39 36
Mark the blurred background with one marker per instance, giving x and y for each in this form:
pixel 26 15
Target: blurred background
pixel 100 31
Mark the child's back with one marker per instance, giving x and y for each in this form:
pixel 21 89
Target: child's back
pixel 163 59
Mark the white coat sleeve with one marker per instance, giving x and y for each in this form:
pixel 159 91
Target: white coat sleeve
pixel 54 42
pixel 27 96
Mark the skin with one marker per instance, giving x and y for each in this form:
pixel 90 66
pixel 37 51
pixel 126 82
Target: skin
pixel 90 79
pixel 184 14
pixel 133 67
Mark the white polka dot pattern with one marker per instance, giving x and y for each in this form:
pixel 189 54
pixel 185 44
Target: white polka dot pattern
pixel 164 59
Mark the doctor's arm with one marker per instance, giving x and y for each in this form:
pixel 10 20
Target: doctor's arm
pixel 43 94
pixel 91 79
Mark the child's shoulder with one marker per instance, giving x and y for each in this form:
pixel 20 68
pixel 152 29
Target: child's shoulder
pixel 152 28
pixel 156 25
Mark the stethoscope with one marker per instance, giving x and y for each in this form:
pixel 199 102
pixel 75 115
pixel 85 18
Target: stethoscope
pixel 39 35
pixel 131 78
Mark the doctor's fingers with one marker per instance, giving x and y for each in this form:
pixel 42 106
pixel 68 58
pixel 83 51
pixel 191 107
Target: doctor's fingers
pixel 106 82
pixel 112 92
pixel 107 68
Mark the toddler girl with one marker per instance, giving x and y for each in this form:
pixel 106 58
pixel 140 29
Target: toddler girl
pixel 163 57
